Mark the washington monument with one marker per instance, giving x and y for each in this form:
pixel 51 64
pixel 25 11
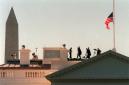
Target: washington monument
pixel 11 37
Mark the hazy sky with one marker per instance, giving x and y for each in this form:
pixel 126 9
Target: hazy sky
pixel 50 23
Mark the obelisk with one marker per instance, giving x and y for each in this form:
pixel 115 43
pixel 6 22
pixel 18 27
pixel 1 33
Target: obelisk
pixel 11 37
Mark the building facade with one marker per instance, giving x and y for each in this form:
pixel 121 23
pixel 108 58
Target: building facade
pixel 26 71
pixel 24 76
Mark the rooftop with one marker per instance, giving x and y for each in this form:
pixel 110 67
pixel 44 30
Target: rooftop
pixel 34 64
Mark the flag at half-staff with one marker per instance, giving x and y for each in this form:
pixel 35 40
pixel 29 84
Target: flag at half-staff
pixel 108 20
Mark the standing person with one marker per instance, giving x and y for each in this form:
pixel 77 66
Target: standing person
pixel 23 46
pixel 14 55
pixel 88 52
pixel 35 57
pixel 79 53
pixel 70 53
pixel 98 51
pixel 64 45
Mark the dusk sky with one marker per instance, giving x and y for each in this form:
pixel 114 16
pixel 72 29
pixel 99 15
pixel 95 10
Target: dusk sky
pixel 50 23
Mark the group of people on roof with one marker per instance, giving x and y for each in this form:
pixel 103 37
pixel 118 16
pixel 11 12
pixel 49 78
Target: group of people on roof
pixel 87 54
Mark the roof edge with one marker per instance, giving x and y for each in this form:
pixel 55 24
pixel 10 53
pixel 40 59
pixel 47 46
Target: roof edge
pixel 91 60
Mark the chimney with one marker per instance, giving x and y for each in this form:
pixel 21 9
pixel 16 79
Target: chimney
pixel 24 56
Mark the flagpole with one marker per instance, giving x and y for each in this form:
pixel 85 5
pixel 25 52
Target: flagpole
pixel 114 37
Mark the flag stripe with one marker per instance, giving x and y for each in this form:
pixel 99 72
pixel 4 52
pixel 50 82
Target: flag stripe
pixel 108 20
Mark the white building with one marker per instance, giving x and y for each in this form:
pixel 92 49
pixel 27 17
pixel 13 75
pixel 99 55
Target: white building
pixel 11 74
pixel 16 72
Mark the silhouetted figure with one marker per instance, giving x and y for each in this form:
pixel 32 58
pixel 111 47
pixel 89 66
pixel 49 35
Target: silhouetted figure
pixel 23 46
pixel 70 53
pixel 64 45
pixel 34 56
pixel 88 52
pixel 13 55
pixel 98 51
pixel 79 53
